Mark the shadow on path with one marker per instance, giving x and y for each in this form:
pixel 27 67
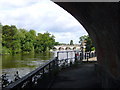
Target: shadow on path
pixel 81 76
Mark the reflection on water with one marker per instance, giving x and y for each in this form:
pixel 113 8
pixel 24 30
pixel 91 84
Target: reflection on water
pixel 23 63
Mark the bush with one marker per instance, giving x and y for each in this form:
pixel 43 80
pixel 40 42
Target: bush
pixel 93 48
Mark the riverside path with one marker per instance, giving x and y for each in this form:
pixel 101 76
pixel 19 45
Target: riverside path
pixel 80 76
pixel 77 70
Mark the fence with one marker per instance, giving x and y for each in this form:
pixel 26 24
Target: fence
pixel 43 76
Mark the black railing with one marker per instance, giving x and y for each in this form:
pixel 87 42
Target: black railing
pixel 43 76
pixel 38 78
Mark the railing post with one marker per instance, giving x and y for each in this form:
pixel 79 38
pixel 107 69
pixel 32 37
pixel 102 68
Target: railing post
pixel 67 55
pixel 30 86
pixel 82 54
pixel 57 55
pixel 87 56
pixel 75 57
pixel 92 54
pixel 67 59
pixel 43 72
pixel 49 69
pixel 80 59
pixel 56 64
pixel 95 54
pixel 71 60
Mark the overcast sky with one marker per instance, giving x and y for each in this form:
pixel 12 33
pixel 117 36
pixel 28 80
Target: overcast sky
pixel 42 16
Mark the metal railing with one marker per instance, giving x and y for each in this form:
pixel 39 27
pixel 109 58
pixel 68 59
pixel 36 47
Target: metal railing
pixel 43 76
pixel 78 57
pixel 38 78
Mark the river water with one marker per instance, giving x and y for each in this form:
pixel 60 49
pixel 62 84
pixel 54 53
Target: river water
pixel 25 63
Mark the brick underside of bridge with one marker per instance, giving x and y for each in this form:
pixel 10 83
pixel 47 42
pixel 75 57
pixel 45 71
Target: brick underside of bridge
pixel 101 21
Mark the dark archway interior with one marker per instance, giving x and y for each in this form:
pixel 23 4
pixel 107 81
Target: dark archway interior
pixel 101 21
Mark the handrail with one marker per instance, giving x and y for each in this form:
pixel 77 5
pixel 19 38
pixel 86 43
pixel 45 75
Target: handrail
pixel 29 76
pixel 44 74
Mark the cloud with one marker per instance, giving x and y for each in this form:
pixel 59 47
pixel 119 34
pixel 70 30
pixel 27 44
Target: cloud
pixel 16 3
pixel 42 16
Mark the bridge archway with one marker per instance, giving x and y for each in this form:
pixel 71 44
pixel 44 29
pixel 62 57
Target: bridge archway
pixel 60 48
pixel 54 48
pixel 67 48
pixel 101 21
pixel 74 48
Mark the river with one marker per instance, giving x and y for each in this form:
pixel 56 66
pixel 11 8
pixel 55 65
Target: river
pixel 23 63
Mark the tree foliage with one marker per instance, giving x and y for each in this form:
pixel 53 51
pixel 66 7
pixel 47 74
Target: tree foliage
pixel 44 42
pixel 0 38
pixel 88 43
pixel 71 42
pixel 20 40
pixel 83 38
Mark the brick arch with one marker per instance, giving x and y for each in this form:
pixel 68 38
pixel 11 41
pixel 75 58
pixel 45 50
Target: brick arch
pixel 101 21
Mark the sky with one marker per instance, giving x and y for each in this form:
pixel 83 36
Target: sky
pixel 41 16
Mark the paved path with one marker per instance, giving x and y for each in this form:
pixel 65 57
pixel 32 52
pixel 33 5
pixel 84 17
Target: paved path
pixel 81 76
pixel 91 59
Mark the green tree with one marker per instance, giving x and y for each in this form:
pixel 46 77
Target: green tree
pixel 0 38
pixel 16 47
pixel 9 39
pixel 44 42
pixel 0 27
pixel 83 38
pixel 27 40
pixel 57 43
pixel 71 42
pixel 88 43
pixel 20 40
